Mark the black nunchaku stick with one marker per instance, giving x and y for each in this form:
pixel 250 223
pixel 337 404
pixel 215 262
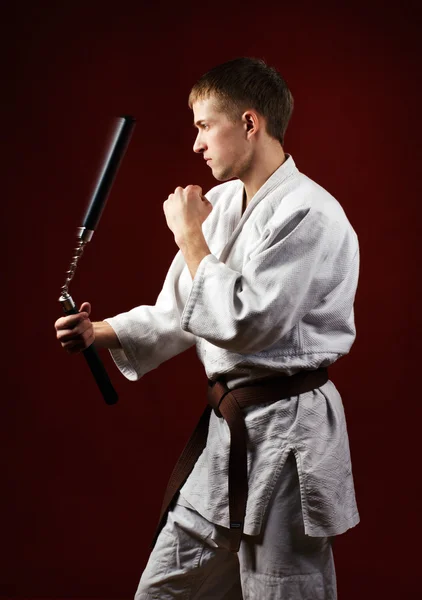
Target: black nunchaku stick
pixel 118 143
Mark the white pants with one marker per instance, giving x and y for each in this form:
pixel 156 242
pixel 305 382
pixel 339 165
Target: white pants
pixel 191 559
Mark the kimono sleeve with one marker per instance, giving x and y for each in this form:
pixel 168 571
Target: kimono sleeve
pixel 296 264
pixel 150 335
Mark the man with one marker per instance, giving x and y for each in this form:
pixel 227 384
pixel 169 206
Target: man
pixel 264 285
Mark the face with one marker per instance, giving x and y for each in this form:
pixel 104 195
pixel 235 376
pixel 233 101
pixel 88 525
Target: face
pixel 224 144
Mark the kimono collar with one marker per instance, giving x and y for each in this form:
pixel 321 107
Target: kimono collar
pixel 280 175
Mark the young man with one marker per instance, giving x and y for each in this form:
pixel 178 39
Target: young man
pixel 264 285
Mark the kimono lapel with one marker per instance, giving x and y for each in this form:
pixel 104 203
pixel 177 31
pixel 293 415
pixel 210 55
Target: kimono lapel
pixel 274 181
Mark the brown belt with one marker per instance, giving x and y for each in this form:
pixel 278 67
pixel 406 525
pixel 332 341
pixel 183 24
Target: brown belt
pixel 228 404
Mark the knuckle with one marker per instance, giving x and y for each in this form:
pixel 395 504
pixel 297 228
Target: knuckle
pixel 73 346
pixel 66 337
pixel 73 349
pixel 72 321
pixel 61 323
pixel 76 332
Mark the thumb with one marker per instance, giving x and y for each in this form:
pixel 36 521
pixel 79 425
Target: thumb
pixel 205 200
pixel 207 203
pixel 85 307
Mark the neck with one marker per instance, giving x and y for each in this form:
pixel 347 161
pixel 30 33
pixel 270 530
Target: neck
pixel 258 174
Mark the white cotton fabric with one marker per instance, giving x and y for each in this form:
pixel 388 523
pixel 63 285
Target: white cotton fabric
pixel 191 558
pixel 275 296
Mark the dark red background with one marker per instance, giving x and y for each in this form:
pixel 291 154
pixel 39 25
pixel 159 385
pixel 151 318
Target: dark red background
pixel 82 482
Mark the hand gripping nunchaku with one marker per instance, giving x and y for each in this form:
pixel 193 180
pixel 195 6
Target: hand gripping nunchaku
pixel 118 143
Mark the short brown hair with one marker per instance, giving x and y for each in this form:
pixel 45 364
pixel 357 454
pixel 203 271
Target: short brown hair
pixel 248 83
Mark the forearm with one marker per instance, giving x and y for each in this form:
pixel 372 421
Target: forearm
pixel 105 336
pixel 194 248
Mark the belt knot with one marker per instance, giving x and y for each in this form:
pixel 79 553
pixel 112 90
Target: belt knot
pixel 217 391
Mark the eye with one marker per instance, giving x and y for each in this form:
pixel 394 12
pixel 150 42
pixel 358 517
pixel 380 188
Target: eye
pixel 202 126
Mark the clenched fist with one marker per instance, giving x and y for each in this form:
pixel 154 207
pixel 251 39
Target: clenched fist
pixel 76 332
pixel 185 210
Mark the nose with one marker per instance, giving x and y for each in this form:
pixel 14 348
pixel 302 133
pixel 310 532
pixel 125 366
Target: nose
pixel 199 145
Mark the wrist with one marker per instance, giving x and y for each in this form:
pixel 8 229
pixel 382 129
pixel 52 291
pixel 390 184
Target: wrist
pixel 190 236
pixel 105 336
pixel 194 249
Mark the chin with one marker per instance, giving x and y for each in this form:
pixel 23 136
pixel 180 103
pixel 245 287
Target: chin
pixel 222 175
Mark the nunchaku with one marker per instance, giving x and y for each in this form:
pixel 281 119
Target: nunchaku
pixel 119 140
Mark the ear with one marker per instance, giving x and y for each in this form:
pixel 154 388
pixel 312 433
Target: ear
pixel 251 122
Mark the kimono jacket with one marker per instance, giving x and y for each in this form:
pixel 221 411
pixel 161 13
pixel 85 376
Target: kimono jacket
pixel 275 296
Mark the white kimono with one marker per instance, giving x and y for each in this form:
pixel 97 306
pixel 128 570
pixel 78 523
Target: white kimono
pixel 274 296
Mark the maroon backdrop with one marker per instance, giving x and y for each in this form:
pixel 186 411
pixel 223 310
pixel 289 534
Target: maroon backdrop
pixel 82 482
